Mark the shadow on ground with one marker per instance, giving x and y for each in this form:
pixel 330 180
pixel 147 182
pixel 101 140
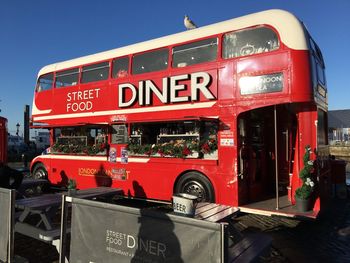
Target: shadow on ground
pixel 326 239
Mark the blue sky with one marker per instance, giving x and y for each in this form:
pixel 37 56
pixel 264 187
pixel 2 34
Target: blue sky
pixel 40 32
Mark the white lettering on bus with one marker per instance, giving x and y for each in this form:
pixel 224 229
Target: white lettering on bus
pixel 199 82
pixel 81 100
pixel 175 87
pixel 272 79
pixel 197 86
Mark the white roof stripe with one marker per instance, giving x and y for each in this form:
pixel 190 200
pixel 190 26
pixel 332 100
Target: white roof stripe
pixel 190 106
pixel 290 29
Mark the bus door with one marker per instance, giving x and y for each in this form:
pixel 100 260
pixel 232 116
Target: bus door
pixel 257 154
pixel 251 156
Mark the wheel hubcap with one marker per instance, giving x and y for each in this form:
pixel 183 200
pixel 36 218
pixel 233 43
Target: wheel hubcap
pixel 195 188
pixel 40 174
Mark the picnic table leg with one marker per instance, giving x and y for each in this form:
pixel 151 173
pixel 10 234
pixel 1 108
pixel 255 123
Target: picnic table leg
pixel 46 220
pixel 24 215
pixel 46 217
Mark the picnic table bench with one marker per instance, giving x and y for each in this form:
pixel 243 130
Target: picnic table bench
pixel 47 206
pixel 249 248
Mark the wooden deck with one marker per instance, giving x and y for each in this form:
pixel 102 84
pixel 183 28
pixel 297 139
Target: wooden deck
pixel 269 207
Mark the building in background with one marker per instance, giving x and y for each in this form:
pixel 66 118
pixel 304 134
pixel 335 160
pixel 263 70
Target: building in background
pixel 42 141
pixel 339 127
pixel 16 144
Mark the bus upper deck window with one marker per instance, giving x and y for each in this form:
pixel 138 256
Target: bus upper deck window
pixel 195 53
pixel 120 67
pixel 67 78
pixel 150 61
pixel 318 63
pixel 249 42
pixel 95 72
pixel 45 82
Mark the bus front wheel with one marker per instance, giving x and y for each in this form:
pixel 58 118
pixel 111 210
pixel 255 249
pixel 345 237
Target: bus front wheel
pixel 39 172
pixel 196 184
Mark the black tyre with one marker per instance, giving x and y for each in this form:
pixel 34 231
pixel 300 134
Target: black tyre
pixel 196 184
pixel 39 172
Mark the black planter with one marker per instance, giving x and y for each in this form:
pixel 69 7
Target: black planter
pixel 72 192
pixel 303 205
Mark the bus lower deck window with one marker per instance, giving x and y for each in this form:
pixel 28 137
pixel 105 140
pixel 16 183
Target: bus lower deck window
pixel 91 140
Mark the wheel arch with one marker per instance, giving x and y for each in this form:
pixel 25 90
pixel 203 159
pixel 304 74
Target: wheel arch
pixel 35 164
pixel 40 159
pixel 181 175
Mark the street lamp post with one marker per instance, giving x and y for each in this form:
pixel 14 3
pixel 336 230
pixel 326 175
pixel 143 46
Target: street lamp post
pixel 17 125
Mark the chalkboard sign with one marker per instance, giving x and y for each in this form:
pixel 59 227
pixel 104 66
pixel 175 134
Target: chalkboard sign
pixel 72 140
pixel 119 134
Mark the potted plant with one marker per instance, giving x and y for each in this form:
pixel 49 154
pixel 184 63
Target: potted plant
pixel 304 194
pixel 72 187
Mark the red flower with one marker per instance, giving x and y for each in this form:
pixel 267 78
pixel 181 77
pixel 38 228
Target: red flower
pixel 186 151
pixel 205 148
pixel 161 153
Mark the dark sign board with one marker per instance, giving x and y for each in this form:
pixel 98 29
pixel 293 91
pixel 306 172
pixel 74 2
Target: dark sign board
pixel 261 84
pixel 109 233
pixel 119 134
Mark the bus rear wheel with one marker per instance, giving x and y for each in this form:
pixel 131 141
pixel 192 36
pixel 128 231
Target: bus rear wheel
pixel 196 184
pixel 39 172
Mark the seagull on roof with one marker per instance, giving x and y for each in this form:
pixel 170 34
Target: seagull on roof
pixel 189 23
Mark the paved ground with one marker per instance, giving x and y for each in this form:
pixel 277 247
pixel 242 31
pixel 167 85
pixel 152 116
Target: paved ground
pixel 324 240
pixel 34 250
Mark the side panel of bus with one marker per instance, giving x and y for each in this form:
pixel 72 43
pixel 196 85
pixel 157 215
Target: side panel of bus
pixel 156 181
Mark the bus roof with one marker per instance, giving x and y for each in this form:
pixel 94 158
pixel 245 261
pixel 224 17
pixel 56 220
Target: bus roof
pixel 290 29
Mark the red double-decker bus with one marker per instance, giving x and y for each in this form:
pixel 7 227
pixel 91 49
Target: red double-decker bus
pixel 224 112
